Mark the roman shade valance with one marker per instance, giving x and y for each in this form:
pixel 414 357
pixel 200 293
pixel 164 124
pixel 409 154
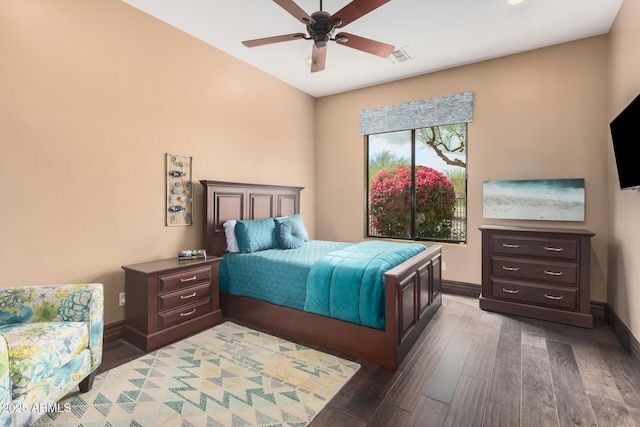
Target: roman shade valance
pixel 444 110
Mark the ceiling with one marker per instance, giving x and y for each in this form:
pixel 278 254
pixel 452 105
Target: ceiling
pixel 439 33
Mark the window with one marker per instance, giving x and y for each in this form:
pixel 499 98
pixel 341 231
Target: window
pixel 417 184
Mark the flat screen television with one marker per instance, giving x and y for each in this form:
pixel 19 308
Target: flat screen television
pixel 625 133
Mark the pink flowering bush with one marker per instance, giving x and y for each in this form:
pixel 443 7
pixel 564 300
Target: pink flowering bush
pixel 390 203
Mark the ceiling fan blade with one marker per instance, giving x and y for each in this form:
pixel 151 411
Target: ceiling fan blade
pixel 355 10
pixel 318 58
pixel 275 39
pixel 366 45
pixel 296 11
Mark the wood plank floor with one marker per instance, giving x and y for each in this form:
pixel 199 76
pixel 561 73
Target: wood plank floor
pixel 477 368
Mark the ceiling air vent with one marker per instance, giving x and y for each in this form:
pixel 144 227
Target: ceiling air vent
pixel 402 54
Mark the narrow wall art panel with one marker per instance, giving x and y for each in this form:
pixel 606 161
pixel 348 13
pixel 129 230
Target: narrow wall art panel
pixel 538 199
pixel 179 190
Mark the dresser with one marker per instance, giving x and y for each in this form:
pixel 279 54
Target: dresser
pixel 170 299
pixel 536 272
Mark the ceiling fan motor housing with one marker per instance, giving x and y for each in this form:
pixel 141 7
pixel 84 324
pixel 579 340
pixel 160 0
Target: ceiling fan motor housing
pixel 322 30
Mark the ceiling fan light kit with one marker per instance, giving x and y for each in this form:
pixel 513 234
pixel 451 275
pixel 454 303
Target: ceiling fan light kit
pixel 320 28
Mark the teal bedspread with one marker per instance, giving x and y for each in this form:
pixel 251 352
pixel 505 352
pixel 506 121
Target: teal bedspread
pixel 277 276
pixel 348 284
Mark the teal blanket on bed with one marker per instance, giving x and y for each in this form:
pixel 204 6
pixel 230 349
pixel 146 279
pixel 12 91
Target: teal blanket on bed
pixel 348 284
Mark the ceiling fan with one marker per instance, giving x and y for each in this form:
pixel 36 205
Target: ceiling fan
pixel 321 26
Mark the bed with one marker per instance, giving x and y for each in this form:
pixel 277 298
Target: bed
pixel 411 290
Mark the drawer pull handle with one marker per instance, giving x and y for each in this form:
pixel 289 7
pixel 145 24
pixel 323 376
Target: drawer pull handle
pixel 552 297
pixel 553 273
pixel 189 313
pixel 510 268
pixel 188 296
pixel 506 245
pixel 510 291
pixel 190 279
pixel 549 248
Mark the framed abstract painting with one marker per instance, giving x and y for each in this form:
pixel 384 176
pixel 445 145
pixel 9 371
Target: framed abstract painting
pixel 534 199
pixel 179 190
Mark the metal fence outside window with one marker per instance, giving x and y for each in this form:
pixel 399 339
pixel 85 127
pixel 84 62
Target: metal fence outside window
pixel 458 224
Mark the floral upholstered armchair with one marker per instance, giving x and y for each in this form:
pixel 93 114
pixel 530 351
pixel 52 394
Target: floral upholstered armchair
pixel 50 342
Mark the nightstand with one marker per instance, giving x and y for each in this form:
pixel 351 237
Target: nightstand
pixel 169 299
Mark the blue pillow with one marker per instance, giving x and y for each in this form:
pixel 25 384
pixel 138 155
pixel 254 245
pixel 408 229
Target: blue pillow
pixel 298 219
pixel 256 235
pixel 290 234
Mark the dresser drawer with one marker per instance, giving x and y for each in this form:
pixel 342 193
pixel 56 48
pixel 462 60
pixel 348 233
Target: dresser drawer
pixel 184 278
pixel 184 296
pixel 564 273
pixel 184 313
pixel 552 248
pixel 564 298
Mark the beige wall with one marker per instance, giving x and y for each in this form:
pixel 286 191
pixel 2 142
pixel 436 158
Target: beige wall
pixel 624 206
pixel 539 114
pixel 92 96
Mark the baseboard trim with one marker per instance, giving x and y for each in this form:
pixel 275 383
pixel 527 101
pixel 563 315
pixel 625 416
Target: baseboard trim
pixel 624 336
pixel 112 332
pixel 461 288
pixel 599 309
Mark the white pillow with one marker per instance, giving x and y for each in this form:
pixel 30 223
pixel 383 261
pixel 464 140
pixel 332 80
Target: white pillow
pixel 229 232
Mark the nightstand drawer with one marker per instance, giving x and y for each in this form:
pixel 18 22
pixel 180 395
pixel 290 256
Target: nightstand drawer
pixel 549 296
pixel 184 313
pixel 563 273
pixel 184 296
pixel 184 278
pixel 552 248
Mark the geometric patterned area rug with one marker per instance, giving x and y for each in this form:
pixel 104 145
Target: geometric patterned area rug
pixel 226 376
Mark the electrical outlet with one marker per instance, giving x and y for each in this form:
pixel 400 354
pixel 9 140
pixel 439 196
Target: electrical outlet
pixel 123 300
pixel 444 266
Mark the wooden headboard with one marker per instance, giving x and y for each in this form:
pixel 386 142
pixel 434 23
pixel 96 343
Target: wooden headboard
pixel 231 200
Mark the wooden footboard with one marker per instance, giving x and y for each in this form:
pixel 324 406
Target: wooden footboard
pixel 417 285
pixel 412 288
